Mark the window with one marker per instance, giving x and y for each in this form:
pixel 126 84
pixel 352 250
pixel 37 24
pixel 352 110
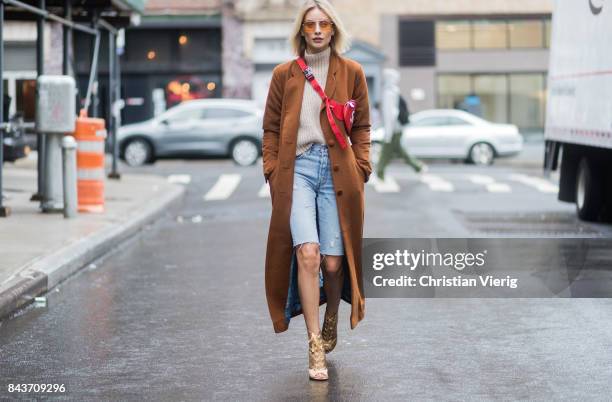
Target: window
pixel 503 98
pixel 453 35
pixel 490 34
pixel 547 30
pixel 417 43
pixel 433 121
pixel 26 99
pixel 493 93
pixel 452 89
pixel 527 100
pixel 225 113
pixel 530 32
pixel 526 34
pixel 456 121
pixel 185 115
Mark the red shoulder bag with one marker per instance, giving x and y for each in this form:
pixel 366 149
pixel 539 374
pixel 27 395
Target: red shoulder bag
pixel 344 112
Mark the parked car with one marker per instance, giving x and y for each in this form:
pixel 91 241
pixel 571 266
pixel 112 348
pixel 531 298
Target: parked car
pixel 16 144
pixel 454 134
pixel 202 127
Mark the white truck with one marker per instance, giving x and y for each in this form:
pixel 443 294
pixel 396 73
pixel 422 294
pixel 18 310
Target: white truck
pixel 578 134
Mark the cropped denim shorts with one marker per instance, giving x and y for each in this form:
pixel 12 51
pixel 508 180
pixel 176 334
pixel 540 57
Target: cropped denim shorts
pixel 314 215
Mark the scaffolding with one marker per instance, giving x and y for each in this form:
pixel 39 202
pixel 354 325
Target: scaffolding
pixel 91 17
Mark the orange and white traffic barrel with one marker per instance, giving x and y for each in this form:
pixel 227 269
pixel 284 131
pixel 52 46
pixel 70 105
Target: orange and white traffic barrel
pixel 90 134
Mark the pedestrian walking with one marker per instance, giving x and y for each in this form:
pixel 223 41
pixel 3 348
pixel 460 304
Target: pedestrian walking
pixel 315 149
pixel 395 116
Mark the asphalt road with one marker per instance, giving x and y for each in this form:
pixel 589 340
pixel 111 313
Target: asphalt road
pixel 179 312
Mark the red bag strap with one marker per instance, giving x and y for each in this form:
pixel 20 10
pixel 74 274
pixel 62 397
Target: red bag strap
pixel 330 104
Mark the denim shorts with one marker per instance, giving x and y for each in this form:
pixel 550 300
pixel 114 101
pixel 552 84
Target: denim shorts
pixel 314 215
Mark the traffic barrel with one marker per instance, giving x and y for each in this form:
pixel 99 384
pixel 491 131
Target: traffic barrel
pixel 90 134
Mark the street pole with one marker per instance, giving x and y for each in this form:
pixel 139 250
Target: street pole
pixel 112 123
pixel 40 139
pixel 95 100
pixel 4 211
pixel 67 38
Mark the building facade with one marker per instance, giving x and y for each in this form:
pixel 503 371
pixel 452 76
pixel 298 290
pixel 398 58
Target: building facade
pixel 266 26
pixel 486 56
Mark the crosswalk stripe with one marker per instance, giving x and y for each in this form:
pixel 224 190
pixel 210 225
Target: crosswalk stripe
pixel 490 183
pixel 498 188
pixel 223 188
pixel 481 179
pixel 179 178
pixel 389 185
pixel 536 182
pixel 226 184
pixel 436 183
pixel 264 191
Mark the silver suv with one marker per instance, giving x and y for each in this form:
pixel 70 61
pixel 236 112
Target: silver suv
pixel 203 127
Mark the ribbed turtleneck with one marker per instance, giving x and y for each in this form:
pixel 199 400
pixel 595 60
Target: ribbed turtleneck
pixel 310 130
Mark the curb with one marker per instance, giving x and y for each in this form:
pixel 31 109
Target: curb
pixel 43 274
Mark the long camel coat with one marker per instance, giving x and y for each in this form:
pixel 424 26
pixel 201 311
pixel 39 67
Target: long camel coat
pixel 350 170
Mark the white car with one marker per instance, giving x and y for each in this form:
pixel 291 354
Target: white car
pixel 454 134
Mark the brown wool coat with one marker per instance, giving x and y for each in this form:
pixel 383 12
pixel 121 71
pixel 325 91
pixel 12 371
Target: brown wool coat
pixel 350 170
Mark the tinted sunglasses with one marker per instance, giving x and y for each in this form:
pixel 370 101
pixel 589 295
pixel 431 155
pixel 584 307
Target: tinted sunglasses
pixel 311 26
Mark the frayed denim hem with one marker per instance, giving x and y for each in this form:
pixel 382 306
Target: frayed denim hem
pixel 293 306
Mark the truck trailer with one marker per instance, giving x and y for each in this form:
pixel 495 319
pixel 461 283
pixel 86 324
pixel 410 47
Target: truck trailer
pixel 578 132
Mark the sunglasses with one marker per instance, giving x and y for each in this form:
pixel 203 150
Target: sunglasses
pixel 310 26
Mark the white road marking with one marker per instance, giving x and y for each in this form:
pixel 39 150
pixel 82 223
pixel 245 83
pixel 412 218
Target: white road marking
pixel 481 179
pixel 538 183
pixel 179 178
pixel 490 183
pixel 223 188
pixel 389 185
pixel 436 183
pixel 498 188
pixel 264 191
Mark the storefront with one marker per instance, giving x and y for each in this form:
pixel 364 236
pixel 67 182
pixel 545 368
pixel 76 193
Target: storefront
pixel 494 65
pixel 167 59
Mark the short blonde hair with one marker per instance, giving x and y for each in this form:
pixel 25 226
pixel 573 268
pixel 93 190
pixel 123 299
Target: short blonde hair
pixel 340 41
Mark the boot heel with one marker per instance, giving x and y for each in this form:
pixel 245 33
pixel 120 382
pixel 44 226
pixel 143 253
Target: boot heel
pixel 317 366
pixel 330 332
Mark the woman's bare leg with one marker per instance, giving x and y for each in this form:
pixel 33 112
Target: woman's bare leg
pixel 308 257
pixel 333 277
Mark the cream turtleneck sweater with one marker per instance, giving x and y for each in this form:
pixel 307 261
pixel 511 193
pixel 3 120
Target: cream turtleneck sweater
pixel 310 130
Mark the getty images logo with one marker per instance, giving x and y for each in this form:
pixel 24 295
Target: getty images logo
pixel 596 6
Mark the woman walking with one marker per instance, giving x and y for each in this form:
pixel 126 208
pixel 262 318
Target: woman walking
pixel 316 164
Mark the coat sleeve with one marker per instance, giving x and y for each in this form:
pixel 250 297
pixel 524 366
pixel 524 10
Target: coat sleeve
pixel 271 124
pixel 360 133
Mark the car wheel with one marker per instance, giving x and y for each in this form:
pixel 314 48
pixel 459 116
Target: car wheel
pixel 589 195
pixel 481 153
pixel 245 152
pixel 375 151
pixel 137 152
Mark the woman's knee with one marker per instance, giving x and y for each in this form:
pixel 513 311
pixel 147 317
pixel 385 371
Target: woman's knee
pixel 308 255
pixel 332 264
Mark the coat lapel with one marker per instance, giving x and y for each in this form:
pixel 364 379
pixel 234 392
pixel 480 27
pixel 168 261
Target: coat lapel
pixel 294 91
pixel 330 84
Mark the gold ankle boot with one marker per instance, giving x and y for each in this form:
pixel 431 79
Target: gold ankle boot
pixel 317 367
pixel 330 331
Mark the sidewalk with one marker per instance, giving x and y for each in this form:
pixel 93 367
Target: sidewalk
pixel 38 251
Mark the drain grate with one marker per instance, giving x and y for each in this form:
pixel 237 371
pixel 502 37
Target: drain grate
pixel 530 223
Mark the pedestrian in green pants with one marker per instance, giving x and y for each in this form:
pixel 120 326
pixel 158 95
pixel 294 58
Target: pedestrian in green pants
pixel 393 149
pixel 395 116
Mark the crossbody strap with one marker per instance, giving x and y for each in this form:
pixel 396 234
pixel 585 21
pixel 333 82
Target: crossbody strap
pixel 330 104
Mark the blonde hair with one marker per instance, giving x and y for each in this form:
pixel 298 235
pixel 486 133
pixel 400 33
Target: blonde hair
pixel 340 41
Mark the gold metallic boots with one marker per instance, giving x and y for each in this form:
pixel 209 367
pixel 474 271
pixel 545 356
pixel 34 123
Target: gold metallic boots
pixel 317 367
pixel 330 331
